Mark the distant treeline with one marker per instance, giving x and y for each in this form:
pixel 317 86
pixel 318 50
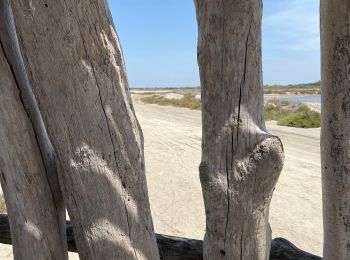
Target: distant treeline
pixel 306 85
pixel 305 89
pixel 313 86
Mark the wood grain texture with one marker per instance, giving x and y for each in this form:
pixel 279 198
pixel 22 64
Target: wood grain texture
pixel 77 71
pixel 241 162
pixel 177 248
pixel 27 173
pixel 335 127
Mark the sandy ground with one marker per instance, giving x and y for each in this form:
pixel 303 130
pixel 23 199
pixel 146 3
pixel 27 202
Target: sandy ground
pixel 172 151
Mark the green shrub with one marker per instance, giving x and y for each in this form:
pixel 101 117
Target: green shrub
pixel 273 110
pixel 303 117
pixel 2 205
pixel 187 101
pixel 280 111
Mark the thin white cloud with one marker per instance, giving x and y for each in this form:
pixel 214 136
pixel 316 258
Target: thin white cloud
pixel 293 27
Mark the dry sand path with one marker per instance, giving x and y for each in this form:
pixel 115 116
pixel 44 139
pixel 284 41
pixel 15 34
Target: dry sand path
pixel 173 150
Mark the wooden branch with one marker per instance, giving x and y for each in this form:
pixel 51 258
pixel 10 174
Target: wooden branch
pixel 283 249
pixel 175 248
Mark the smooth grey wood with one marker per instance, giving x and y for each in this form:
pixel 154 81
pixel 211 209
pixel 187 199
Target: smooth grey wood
pixel 241 162
pixel 177 248
pixel 26 170
pixel 335 127
pixel 76 68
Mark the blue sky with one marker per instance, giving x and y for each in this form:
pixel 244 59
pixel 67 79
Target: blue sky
pixel 159 40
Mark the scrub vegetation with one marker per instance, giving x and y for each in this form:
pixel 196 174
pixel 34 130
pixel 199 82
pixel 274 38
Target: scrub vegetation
pixel 2 205
pixel 299 89
pixel 300 115
pixel 283 112
pixel 187 101
pixel 293 89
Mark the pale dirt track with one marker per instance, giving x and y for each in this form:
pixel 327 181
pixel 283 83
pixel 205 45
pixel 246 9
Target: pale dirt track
pixel 172 152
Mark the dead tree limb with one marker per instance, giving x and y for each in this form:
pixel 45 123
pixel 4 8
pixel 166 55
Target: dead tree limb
pixel 175 248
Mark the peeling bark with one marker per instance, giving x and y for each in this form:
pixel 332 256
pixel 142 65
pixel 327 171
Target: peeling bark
pixel 28 173
pixel 241 162
pixel 335 128
pixel 77 71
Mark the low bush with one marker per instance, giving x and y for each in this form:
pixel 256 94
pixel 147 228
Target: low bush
pixel 187 101
pixel 2 205
pixel 284 112
pixel 301 117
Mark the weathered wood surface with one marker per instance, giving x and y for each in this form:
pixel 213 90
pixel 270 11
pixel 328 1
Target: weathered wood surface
pixel 175 248
pixel 283 249
pixel 241 162
pixel 335 127
pixel 77 71
pixel 27 174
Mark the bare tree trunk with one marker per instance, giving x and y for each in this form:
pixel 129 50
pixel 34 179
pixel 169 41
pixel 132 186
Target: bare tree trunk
pixel 335 130
pixel 28 173
pixel 241 162
pixel 78 75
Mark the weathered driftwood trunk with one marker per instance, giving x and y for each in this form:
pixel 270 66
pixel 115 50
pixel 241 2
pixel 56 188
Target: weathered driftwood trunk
pixel 177 248
pixel 27 169
pixel 335 130
pixel 78 75
pixel 241 162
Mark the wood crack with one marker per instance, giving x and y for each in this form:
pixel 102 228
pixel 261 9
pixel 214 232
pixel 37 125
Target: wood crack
pixel 243 80
pixel 228 167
